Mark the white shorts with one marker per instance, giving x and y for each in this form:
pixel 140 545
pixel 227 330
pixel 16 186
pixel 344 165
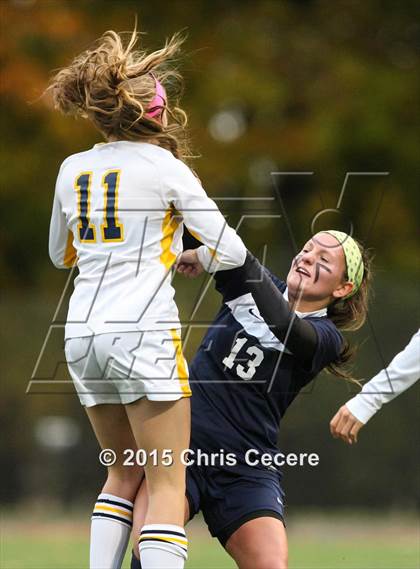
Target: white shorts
pixel 122 367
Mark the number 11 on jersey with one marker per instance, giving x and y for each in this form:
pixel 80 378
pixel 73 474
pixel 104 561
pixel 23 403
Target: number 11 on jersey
pixel 112 230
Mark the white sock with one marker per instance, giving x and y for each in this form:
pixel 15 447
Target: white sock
pixel 110 531
pixel 163 546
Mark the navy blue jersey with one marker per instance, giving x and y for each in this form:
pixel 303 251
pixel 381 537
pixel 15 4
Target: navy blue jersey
pixel 243 378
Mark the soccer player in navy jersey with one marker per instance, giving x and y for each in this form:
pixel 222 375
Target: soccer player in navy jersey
pixel 269 339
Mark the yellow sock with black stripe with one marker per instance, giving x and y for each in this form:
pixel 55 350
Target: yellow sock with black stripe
pixel 112 519
pixel 163 546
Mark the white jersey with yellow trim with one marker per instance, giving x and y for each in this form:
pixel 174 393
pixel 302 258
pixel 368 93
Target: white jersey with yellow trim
pixel 118 213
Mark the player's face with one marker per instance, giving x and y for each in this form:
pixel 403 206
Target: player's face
pixel 319 271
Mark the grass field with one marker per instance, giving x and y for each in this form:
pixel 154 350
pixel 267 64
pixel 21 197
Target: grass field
pixel 328 541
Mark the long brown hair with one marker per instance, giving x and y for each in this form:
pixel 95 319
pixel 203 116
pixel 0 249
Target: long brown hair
pixel 112 86
pixel 350 315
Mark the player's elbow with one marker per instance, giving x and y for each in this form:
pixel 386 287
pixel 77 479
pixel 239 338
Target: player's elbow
pixel 234 256
pixel 59 261
pixel 58 264
pixel 62 258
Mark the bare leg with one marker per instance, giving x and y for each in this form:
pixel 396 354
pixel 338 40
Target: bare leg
pixel 112 515
pixel 162 429
pixel 112 429
pixel 259 544
pixel 159 425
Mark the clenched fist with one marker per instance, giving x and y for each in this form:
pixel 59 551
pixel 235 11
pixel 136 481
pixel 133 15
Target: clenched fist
pixel 188 264
pixel 345 425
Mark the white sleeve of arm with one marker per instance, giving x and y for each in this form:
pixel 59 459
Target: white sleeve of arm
pixel 402 373
pixel 60 245
pixel 223 248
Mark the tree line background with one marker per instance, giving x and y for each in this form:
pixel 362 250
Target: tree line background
pixel 276 86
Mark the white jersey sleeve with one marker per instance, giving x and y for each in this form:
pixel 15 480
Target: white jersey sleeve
pixel 60 245
pixel 402 373
pixel 223 249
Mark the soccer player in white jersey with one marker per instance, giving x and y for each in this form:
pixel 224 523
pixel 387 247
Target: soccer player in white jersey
pixel 402 373
pixel 118 214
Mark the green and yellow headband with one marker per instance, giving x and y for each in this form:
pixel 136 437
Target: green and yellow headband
pixel 354 262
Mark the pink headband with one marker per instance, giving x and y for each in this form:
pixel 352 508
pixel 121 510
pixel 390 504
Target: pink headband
pixel 158 103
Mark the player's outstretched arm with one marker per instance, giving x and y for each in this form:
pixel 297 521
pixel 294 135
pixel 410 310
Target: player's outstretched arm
pixel 299 335
pixel 223 248
pixel 402 372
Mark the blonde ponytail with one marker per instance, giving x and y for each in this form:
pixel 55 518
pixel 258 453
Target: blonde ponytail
pixel 112 86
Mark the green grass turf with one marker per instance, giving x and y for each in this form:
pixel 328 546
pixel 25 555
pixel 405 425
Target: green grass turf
pixel 315 543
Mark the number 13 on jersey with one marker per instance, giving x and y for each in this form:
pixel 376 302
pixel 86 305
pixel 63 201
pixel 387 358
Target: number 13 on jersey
pixel 257 357
pixel 111 229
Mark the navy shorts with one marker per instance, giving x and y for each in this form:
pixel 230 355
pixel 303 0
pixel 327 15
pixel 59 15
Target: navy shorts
pixel 228 499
